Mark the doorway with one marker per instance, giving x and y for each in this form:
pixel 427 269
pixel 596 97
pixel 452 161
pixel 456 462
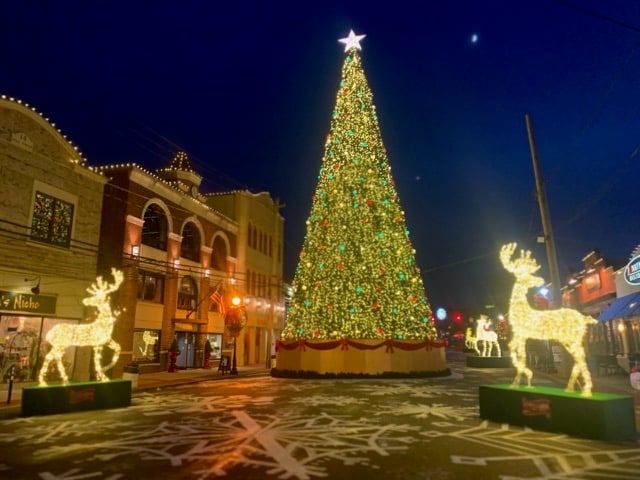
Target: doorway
pixel 186 344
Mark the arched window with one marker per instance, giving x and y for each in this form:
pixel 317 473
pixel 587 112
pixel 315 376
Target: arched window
pixel 187 294
pixel 154 229
pixel 190 247
pixel 219 255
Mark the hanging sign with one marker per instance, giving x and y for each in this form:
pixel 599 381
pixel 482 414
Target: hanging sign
pixel 632 271
pixel 19 302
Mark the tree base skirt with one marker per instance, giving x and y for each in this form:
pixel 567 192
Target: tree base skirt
pixel 362 357
pixel 476 361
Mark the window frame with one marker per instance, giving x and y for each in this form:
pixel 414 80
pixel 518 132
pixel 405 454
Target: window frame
pixel 57 200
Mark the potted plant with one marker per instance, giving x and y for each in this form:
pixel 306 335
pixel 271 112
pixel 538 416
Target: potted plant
pixel 174 351
pixel 207 354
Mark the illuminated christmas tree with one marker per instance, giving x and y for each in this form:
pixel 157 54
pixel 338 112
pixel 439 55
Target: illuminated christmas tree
pixel 357 276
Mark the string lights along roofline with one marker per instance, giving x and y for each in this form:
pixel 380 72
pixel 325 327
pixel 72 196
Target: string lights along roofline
pixel 352 41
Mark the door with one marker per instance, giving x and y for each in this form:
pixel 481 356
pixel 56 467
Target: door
pixel 186 344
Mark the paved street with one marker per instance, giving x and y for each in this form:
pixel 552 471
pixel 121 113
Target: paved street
pixel 258 427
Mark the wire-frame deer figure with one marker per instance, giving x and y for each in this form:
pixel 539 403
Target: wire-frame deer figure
pixel 96 334
pixel 565 325
pixel 488 337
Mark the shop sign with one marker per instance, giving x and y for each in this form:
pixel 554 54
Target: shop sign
pixel 632 271
pixel 19 302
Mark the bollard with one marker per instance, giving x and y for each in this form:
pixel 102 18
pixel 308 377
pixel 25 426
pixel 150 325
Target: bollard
pixel 12 374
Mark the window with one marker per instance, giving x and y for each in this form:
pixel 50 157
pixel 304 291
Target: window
pixel 592 281
pixel 150 287
pixel 215 339
pixel 146 345
pixel 155 229
pixel 52 220
pixel 190 247
pixel 187 294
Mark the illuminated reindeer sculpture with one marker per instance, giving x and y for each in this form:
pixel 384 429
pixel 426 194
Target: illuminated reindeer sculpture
pixel 95 334
pixel 488 337
pixel 564 325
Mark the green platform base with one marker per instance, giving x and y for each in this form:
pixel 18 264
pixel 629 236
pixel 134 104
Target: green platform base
pixel 52 399
pixel 602 416
pixel 476 361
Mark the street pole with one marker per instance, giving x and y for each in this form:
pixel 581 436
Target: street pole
pixel 546 219
pixel 234 365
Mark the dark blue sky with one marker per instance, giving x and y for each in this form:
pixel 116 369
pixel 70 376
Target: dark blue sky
pixel 248 92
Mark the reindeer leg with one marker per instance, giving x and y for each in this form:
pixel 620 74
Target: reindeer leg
pixel 44 369
pixel 579 369
pixel 63 373
pixel 113 345
pixel 97 360
pixel 518 358
pixel 572 378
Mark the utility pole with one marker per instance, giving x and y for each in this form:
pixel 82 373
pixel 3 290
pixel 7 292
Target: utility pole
pixel 546 219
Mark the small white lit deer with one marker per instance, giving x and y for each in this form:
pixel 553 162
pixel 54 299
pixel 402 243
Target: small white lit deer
pixel 488 337
pixel 95 334
pixel 565 325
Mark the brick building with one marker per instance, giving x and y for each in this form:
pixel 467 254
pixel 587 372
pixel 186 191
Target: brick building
pixel 179 251
pixel 50 204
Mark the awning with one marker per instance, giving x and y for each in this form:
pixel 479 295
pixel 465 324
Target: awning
pixel 623 307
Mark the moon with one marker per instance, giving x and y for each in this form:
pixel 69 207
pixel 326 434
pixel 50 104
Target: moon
pixel 474 38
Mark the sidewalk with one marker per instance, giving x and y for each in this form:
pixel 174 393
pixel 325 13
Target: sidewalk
pixel 146 381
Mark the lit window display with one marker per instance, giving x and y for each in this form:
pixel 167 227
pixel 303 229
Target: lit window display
pixel 23 347
pixel 215 339
pixel 146 345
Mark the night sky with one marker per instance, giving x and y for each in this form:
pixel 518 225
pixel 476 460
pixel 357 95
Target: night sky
pixel 247 90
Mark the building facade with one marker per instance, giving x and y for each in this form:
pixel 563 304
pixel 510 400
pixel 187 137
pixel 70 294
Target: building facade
pixel 50 204
pixel 184 258
pixel 259 276
pixel 598 290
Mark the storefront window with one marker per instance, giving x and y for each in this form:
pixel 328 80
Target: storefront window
pixel 215 339
pixel 146 345
pixel 23 347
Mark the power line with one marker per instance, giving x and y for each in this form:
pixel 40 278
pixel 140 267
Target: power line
pixel 599 15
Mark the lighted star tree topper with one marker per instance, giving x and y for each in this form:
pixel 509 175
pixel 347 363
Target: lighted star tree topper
pixel 357 276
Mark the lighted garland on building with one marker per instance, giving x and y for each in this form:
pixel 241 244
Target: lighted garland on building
pixel 357 276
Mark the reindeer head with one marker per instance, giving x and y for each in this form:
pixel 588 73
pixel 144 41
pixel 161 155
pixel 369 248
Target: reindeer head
pixel 100 290
pixel 523 268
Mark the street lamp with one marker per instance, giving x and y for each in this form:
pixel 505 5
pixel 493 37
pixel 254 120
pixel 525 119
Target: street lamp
pixel 235 319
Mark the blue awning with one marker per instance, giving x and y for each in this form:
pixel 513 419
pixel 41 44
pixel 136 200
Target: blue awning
pixel 623 307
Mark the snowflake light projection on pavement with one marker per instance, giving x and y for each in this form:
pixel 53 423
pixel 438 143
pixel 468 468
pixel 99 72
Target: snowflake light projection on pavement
pixel 282 429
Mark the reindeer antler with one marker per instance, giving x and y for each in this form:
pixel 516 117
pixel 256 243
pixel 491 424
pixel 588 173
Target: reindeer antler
pixel 505 255
pixel 102 288
pixel 525 263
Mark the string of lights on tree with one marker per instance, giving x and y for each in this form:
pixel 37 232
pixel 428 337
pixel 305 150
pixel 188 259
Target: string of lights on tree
pixel 357 276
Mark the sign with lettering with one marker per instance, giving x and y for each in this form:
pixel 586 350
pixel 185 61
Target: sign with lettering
pixel 632 271
pixel 19 302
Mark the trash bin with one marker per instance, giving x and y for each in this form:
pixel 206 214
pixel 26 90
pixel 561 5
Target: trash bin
pixel 131 372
